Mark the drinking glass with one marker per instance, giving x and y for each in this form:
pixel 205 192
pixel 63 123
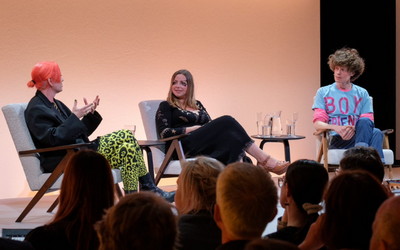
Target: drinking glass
pixel 289 127
pixel 295 118
pixel 132 128
pixel 259 123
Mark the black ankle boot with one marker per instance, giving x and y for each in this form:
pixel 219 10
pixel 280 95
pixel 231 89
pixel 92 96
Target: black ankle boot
pixel 147 184
pixel 129 191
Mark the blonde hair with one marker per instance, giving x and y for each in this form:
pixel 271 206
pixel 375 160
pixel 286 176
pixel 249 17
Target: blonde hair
pixel 197 184
pixel 349 58
pixel 247 199
pixel 190 100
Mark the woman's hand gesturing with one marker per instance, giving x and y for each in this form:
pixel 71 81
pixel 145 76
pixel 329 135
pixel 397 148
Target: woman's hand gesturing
pixel 95 103
pixel 81 112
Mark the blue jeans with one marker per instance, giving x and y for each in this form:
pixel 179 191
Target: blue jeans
pixel 366 135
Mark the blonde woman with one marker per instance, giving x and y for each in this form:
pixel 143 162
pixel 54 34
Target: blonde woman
pixel 195 200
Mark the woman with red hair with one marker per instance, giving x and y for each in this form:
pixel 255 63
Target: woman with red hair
pixel 51 123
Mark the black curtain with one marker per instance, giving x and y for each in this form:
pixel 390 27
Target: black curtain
pixel 369 27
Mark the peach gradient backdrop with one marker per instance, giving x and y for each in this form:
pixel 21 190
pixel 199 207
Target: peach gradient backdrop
pixel 246 56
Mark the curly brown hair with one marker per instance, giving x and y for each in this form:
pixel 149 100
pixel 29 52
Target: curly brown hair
pixel 349 58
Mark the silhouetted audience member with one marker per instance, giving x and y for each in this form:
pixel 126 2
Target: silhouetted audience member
pixel 366 158
pixel 351 202
pixel 301 192
pixel 8 244
pixel 195 200
pixel 246 202
pixel 386 227
pixel 138 221
pixel 86 191
pixel 270 244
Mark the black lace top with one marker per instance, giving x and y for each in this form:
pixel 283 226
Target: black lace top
pixel 173 121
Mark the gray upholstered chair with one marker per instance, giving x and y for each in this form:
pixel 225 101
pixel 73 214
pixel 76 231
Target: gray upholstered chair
pixel 163 164
pixel 332 157
pixel 28 155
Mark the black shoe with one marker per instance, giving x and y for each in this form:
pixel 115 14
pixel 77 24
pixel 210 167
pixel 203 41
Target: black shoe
pixel 147 184
pixel 129 191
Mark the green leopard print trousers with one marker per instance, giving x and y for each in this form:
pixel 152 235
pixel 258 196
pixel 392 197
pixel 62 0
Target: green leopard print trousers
pixel 122 151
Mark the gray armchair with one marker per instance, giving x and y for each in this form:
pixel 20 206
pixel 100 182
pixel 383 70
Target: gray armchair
pixel 28 155
pixel 163 164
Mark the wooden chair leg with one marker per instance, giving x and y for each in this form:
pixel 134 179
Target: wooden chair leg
pixel 175 146
pixel 390 172
pixel 47 185
pixel 164 164
pixel 325 151
pixel 118 190
pixel 320 152
pixel 54 205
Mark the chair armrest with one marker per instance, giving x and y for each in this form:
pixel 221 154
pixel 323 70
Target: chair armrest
pixel 320 131
pixel 387 131
pixel 174 137
pixel 43 150
pixel 150 143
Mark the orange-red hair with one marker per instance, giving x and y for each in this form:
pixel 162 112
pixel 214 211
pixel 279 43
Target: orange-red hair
pixel 41 72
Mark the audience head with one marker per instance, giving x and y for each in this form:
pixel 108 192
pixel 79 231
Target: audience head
pixel 386 227
pixel 197 184
pixel 87 189
pixel 365 158
pixel 351 202
pixel 246 201
pixel 138 221
pixel 189 98
pixel 42 72
pixel 349 58
pixel 270 244
pixel 87 183
pixel 304 184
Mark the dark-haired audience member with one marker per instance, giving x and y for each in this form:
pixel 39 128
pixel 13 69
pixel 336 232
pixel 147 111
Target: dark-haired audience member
pixel 195 200
pixel 351 202
pixel 270 244
pixel 8 244
pixel 87 189
pixel 364 158
pixel 301 192
pixel 386 227
pixel 138 221
pixel 246 203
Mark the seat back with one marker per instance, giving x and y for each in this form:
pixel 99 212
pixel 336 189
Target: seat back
pixel 148 110
pixel 15 118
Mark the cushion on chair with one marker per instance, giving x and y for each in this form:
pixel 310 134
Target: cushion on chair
pixel 15 118
pixel 116 173
pixel 148 110
pixel 335 155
